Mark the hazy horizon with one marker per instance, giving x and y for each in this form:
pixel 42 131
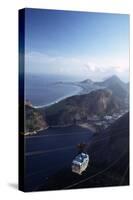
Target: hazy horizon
pixel 66 78
pixel 79 44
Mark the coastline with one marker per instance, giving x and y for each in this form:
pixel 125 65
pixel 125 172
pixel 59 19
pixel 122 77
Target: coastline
pixel 35 132
pixel 59 99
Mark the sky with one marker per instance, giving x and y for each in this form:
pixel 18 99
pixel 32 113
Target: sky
pixel 79 44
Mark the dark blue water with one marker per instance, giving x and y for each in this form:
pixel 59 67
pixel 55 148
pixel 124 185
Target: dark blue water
pixel 51 151
pixel 42 90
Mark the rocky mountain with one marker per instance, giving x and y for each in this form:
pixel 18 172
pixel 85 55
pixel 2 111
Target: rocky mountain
pixel 87 81
pixel 82 107
pixel 113 83
pixel 34 120
pixel 118 87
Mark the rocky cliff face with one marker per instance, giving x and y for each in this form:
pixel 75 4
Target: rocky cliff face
pixel 82 107
pixel 34 120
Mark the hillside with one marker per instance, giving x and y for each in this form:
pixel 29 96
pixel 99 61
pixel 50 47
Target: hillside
pixel 117 138
pixel 109 161
pixel 114 145
pixel 118 87
pixel 82 107
pixel 34 120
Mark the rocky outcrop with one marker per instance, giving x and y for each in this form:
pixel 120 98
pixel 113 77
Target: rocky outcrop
pixel 34 120
pixel 81 107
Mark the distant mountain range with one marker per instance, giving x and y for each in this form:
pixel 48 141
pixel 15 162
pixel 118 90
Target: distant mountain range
pixel 105 98
pixel 118 87
pixel 113 83
pixel 88 81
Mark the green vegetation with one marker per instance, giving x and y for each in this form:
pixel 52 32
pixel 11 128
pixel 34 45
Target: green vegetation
pixel 81 107
pixel 34 120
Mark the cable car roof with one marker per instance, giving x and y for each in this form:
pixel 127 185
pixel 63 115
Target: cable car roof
pixel 80 158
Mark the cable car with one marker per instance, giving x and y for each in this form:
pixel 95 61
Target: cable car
pixel 80 163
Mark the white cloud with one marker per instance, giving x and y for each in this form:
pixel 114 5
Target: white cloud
pixel 94 68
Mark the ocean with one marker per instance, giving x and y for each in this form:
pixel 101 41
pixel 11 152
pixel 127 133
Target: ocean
pixel 50 151
pixel 42 90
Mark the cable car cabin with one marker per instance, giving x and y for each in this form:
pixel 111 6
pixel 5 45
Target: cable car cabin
pixel 80 163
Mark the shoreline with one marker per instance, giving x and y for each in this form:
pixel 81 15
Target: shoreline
pixel 59 99
pixel 35 132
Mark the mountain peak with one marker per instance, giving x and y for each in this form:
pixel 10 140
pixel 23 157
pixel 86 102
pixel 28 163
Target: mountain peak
pixel 87 81
pixel 118 87
pixel 113 78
